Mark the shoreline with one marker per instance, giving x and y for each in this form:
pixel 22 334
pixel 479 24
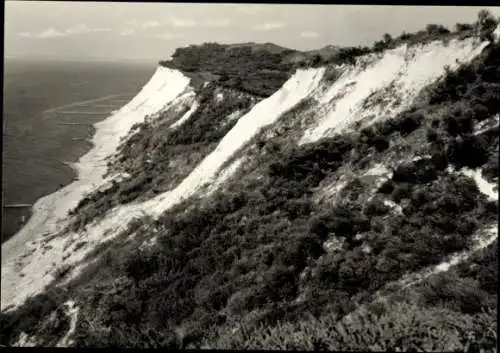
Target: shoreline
pixel 61 173
pixel 69 164
pixel 82 145
pixel 25 268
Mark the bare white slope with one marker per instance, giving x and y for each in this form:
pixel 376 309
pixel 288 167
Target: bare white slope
pixel 49 212
pixel 398 75
pixel 170 84
pixel 186 116
pixel 224 174
pixel 489 189
pixel 266 112
pixel 72 312
pixel 208 172
pixel 496 34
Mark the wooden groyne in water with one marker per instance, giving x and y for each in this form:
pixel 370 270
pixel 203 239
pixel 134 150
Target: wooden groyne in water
pixel 18 205
pixel 86 124
pixel 14 217
pixel 82 113
pixel 86 102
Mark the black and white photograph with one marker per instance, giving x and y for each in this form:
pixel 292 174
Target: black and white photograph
pixel 250 176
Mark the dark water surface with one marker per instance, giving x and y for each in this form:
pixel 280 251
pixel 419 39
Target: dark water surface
pixel 37 139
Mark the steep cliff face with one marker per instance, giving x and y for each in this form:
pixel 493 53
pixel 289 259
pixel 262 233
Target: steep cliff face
pixel 208 202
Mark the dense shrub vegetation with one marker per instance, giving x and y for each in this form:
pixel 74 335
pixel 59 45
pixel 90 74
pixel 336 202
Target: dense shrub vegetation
pixel 468 288
pixel 248 68
pixel 468 98
pixel 253 257
pixel 345 55
pixel 251 252
pixel 399 326
pixel 42 316
pixel 158 157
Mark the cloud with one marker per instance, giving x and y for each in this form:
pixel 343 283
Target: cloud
pixel 53 33
pixel 168 36
pixel 79 29
pixel 83 28
pixel 269 26
pixel 150 24
pixel 309 34
pixel 179 22
pixel 139 25
pixel 128 32
pixel 49 33
pixel 222 22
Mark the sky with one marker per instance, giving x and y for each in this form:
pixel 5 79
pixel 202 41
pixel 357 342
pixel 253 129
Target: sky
pixel 150 32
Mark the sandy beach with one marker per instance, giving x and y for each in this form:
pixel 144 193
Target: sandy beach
pixel 23 261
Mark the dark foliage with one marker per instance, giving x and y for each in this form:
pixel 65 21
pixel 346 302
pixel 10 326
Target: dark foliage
pixel 244 251
pixel 469 288
pixel 149 153
pixel 436 29
pixel 257 72
pixel 349 54
pixel 462 27
pixel 483 267
pixel 470 86
pixel 418 172
pixel 33 318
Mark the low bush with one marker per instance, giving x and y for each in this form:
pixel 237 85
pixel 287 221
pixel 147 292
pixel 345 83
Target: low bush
pixel 402 327
pixel 461 27
pixel 31 317
pixel 436 29
pixel 418 172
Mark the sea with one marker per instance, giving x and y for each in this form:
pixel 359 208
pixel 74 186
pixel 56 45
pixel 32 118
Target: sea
pixel 49 108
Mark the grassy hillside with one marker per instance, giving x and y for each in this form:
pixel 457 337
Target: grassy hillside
pixel 266 262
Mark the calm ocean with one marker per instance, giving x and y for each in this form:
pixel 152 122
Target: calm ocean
pixel 41 111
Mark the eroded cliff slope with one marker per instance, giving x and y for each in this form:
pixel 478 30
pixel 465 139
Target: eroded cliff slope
pixel 251 209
